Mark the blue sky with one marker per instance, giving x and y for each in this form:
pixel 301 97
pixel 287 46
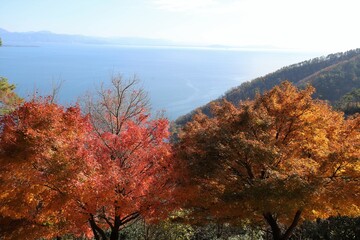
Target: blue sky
pixel 330 25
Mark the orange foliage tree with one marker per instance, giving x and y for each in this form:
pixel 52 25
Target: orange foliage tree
pixel 63 173
pixel 42 155
pixel 280 158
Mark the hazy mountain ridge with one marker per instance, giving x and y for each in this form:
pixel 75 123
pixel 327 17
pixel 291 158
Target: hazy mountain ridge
pixel 333 76
pixel 34 38
pixel 47 37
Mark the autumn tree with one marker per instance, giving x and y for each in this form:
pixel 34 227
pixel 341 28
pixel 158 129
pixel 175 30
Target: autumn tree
pixel 278 159
pixel 43 157
pixel 64 173
pixel 133 156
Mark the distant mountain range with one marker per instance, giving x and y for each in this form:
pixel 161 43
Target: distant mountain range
pixel 46 37
pixel 335 77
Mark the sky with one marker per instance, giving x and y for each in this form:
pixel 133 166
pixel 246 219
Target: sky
pixel 321 25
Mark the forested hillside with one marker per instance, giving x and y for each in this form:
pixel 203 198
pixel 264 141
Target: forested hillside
pixel 333 76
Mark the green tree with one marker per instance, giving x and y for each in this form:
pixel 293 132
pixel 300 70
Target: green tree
pixel 8 98
pixel 350 102
pixel 278 159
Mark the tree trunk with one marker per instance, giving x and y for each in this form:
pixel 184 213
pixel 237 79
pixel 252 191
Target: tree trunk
pixel 115 229
pixel 99 234
pixel 276 231
pixel 114 234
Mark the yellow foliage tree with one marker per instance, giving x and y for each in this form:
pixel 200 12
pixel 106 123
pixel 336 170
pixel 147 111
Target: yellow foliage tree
pixel 280 158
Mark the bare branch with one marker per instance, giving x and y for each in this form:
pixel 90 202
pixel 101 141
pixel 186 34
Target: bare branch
pixel 110 107
pixel 56 87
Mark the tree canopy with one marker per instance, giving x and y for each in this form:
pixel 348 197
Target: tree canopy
pixel 350 102
pixel 65 173
pixel 42 160
pixel 282 157
pixel 8 98
pixel 134 157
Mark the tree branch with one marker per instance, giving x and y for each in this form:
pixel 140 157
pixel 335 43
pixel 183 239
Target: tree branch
pixel 96 229
pixel 130 217
pixel 293 225
pixel 273 224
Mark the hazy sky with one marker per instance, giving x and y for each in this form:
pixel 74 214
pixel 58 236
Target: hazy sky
pixel 330 25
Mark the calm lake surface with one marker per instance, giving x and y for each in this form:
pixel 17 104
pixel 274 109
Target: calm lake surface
pixel 177 79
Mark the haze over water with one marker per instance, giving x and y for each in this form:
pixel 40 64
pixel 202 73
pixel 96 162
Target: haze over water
pixel 177 79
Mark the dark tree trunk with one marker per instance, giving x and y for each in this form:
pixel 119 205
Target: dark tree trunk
pixel 115 229
pixel 114 234
pixel 99 234
pixel 276 231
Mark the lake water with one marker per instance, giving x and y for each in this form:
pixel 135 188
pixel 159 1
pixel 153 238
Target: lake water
pixel 177 79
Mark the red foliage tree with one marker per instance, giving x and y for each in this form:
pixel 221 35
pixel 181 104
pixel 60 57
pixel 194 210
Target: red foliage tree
pixel 133 158
pixel 42 155
pixel 60 174
pixel 132 173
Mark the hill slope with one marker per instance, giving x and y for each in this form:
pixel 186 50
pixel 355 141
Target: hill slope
pixel 333 76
